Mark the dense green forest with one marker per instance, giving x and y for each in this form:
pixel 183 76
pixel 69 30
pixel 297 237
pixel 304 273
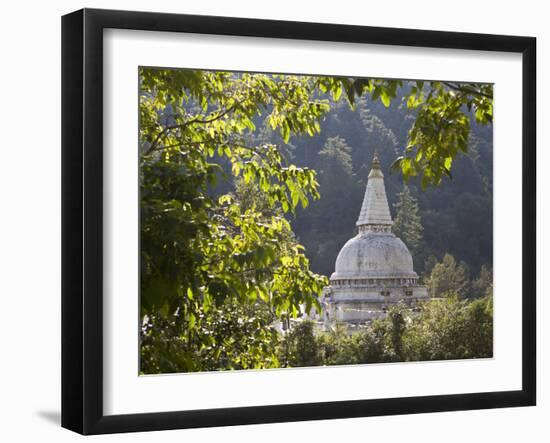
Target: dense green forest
pixel 250 184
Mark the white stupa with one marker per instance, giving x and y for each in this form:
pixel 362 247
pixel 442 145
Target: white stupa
pixel 374 269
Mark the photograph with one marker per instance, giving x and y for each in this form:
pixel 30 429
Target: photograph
pixel 291 220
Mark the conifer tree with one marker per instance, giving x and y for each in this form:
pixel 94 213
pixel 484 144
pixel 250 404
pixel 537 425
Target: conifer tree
pixel 449 278
pixel 483 285
pixel 335 157
pixel 407 223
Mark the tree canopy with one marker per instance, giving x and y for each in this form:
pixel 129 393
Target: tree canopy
pixel 202 252
pixel 445 329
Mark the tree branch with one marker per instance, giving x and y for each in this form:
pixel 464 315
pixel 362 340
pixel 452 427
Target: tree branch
pixel 467 90
pixel 221 114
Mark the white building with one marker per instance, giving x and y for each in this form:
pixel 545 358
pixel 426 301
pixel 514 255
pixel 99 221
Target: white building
pixel 374 269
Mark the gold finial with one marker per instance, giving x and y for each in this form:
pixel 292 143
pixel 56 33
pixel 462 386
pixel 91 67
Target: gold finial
pixel 375 161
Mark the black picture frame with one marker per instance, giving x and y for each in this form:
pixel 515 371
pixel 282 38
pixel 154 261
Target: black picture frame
pixel 82 219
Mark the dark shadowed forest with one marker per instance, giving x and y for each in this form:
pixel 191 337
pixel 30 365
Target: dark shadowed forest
pixel 455 217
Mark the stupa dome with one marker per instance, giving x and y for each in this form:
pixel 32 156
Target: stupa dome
pixel 374 269
pixel 375 252
pixel 374 255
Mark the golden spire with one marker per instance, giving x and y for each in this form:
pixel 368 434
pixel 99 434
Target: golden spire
pixel 375 161
pixel 375 209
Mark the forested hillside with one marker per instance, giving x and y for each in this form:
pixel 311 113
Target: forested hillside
pixel 456 216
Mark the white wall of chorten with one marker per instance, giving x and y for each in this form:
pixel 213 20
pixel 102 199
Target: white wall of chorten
pixel 374 269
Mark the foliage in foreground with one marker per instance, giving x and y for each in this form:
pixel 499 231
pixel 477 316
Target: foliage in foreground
pixel 445 329
pixel 209 257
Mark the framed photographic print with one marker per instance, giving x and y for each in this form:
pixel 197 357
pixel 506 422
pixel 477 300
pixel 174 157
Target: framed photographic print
pixel 270 221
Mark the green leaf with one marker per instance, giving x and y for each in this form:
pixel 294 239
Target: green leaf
pixel 191 319
pixel 386 99
pixel 337 92
pixel 285 131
